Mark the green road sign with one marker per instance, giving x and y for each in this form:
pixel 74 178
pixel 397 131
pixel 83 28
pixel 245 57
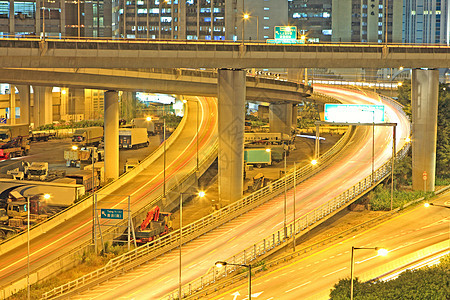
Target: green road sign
pixel 109 213
pixel 285 32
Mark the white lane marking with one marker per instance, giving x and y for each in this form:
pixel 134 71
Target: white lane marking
pixel 298 287
pixel 335 271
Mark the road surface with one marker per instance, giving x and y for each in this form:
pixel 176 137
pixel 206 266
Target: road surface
pixel 160 276
pixel 314 276
pixel 146 186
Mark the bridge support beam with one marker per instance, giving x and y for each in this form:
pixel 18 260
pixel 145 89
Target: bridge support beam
pixel 424 100
pixel 43 106
pixel 280 117
pixel 111 135
pixel 24 94
pixel 231 106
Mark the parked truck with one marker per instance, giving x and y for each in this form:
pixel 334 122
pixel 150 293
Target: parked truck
pixel 156 224
pixel 14 140
pixel 39 136
pixel 84 177
pixel 76 157
pixel 61 195
pixel 89 136
pixel 144 123
pixel 9 132
pixel 258 157
pixel 130 138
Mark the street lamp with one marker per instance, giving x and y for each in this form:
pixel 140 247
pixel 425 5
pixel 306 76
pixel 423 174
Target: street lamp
pixel 200 194
pixel 381 252
pixel 314 162
pixel 220 264
pixel 245 17
pixel 428 204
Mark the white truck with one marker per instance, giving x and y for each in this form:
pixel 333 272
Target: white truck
pixel 61 195
pixel 89 136
pixel 144 123
pixel 38 171
pixel 130 138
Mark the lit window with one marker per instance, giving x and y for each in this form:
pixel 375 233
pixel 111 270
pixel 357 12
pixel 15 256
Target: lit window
pixel 438 12
pixel 266 8
pixel 266 18
pixel 413 12
pixel 266 27
pixel 326 15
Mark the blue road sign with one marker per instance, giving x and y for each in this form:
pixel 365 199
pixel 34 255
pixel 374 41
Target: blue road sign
pixel 2 120
pixel 109 213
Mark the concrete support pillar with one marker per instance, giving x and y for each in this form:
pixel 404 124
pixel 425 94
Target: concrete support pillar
pixel 231 106
pixel 295 74
pixel 424 100
pixel 12 104
pixel 24 94
pixel 64 106
pixel 43 106
pixel 294 115
pixel 12 18
pixel 111 135
pixel 280 117
pixel 62 6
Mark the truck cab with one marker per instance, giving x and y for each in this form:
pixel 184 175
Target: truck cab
pixel 17 209
pixel 38 171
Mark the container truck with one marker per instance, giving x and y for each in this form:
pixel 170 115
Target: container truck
pixel 61 195
pixel 38 136
pixel 84 177
pixel 144 123
pixel 9 132
pixel 14 140
pixel 89 136
pixel 130 138
pixel 258 157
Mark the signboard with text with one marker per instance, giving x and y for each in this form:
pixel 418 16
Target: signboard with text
pixel 354 113
pixel 109 213
pixel 285 33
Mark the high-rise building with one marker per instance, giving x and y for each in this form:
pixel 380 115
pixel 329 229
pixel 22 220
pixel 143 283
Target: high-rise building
pixel 426 21
pixel 55 18
pixel 372 21
pixel 312 18
pixel 198 19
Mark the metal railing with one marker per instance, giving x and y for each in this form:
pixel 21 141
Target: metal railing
pixel 302 223
pixel 191 231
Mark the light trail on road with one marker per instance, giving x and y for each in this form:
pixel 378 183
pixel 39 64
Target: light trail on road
pixel 146 186
pixel 235 236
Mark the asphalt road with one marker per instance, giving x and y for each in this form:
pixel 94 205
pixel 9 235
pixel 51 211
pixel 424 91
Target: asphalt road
pixel 314 276
pixel 160 276
pixel 147 185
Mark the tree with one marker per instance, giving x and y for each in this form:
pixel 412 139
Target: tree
pixel 427 283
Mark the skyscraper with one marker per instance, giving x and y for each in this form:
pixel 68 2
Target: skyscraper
pixel 372 21
pixel 426 21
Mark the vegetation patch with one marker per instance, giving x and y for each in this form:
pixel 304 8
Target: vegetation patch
pixel 427 283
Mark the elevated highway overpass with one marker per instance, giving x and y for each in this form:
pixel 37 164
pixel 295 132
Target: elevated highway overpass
pixel 135 54
pixel 240 240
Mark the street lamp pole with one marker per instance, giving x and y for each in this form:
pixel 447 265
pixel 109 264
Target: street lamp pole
pixel 295 185
pixel 373 145
pixel 285 194
pixel 220 264
pixel 394 130
pixel 381 252
pixel 28 249
pixel 164 157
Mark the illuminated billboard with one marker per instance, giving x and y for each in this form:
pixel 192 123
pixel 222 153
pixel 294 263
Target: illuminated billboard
pixel 354 113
